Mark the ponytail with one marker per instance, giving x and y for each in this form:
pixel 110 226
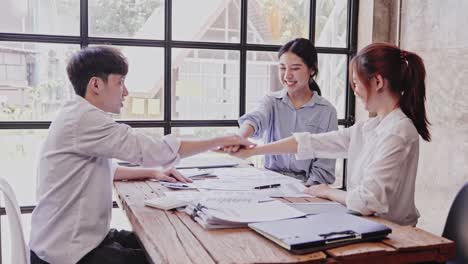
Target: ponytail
pixel 313 86
pixel 406 74
pixel 413 94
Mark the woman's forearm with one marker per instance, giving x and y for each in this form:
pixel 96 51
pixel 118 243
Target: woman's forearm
pixel 246 130
pixel 337 196
pixel 286 145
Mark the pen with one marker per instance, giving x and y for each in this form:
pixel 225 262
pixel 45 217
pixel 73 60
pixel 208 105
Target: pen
pixel 267 186
pixel 174 184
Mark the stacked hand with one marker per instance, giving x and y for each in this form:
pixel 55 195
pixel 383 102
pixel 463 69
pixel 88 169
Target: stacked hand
pixel 238 147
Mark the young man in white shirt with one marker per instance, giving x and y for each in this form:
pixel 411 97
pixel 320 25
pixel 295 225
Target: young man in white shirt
pixel 70 223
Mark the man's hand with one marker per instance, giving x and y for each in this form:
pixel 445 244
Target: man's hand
pixel 170 175
pixel 234 143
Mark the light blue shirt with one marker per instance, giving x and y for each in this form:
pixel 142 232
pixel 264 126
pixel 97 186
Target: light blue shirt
pixel 276 118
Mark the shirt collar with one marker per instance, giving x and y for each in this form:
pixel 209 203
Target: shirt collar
pixel 283 95
pixel 85 102
pixel 381 125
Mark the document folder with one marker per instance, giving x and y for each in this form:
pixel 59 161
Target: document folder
pixel 321 231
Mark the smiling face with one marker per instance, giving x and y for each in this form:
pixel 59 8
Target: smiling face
pixel 294 75
pixel 112 93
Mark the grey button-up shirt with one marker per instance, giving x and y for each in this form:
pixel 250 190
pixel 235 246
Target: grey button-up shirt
pixel 276 118
pixel 75 177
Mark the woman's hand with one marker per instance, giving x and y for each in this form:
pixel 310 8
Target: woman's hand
pixel 320 190
pixel 234 143
pixel 243 153
pixel 170 175
pixel 327 192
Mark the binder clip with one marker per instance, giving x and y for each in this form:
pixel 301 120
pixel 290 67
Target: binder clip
pixel 195 211
pixel 340 236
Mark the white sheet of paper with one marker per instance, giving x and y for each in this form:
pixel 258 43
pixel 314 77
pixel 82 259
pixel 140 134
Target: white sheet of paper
pixel 191 196
pixel 249 212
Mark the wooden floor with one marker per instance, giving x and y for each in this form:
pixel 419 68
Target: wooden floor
pixel 173 237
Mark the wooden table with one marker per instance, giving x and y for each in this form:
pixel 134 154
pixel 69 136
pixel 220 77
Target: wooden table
pixel 173 237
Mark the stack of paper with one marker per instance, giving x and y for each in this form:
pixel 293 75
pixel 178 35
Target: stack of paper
pixel 165 203
pixel 234 212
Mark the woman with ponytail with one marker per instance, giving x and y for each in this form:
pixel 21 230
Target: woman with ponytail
pixel 299 107
pixel 383 151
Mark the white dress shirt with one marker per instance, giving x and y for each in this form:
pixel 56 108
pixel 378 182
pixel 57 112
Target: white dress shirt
pixel 75 176
pixel 382 163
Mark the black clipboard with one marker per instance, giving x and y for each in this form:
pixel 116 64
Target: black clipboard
pixel 322 231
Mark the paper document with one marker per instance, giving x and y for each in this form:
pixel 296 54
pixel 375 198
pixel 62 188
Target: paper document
pixel 225 212
pixel 193 196
pixel 288 190
pixel 189 173
pixel 319 208
pixel 200 161
pixel 165 203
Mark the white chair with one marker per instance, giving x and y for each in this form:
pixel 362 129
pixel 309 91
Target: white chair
pixel 19 249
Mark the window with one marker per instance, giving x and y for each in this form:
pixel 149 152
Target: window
pixel 194 68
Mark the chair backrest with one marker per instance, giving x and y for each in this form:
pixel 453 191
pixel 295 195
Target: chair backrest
pixel 20 252
pixel 456 227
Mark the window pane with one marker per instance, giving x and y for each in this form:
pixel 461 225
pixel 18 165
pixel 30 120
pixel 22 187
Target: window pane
pixel 33 80
pixel 142 19
pixel 58 17
pixel 202 132
pixel 214 20
pixel 154 132
pixel 205 84
pixel 145 83
pixel 277 21
pixel 19 158
pixel 331 23
pixel 332 80
pixel 262 77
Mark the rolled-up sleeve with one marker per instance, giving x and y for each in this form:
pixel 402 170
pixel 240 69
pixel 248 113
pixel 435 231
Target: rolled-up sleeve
pixel 330 145
pixel 380 179
pixel 260 117
pixel 98 135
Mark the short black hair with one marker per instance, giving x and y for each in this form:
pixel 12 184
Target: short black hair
pixel 97 61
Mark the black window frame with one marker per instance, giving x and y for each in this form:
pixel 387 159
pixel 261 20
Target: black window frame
pixel 243 47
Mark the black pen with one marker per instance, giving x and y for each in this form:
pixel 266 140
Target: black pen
pixel 267 186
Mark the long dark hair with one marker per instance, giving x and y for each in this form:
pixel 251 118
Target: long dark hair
pixel 304 49
pixel 405 72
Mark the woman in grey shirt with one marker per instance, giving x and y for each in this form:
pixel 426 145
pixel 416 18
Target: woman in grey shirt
pixel 299 107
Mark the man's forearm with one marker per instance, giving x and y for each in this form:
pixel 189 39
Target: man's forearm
pixel 126 173
pixel 189 148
